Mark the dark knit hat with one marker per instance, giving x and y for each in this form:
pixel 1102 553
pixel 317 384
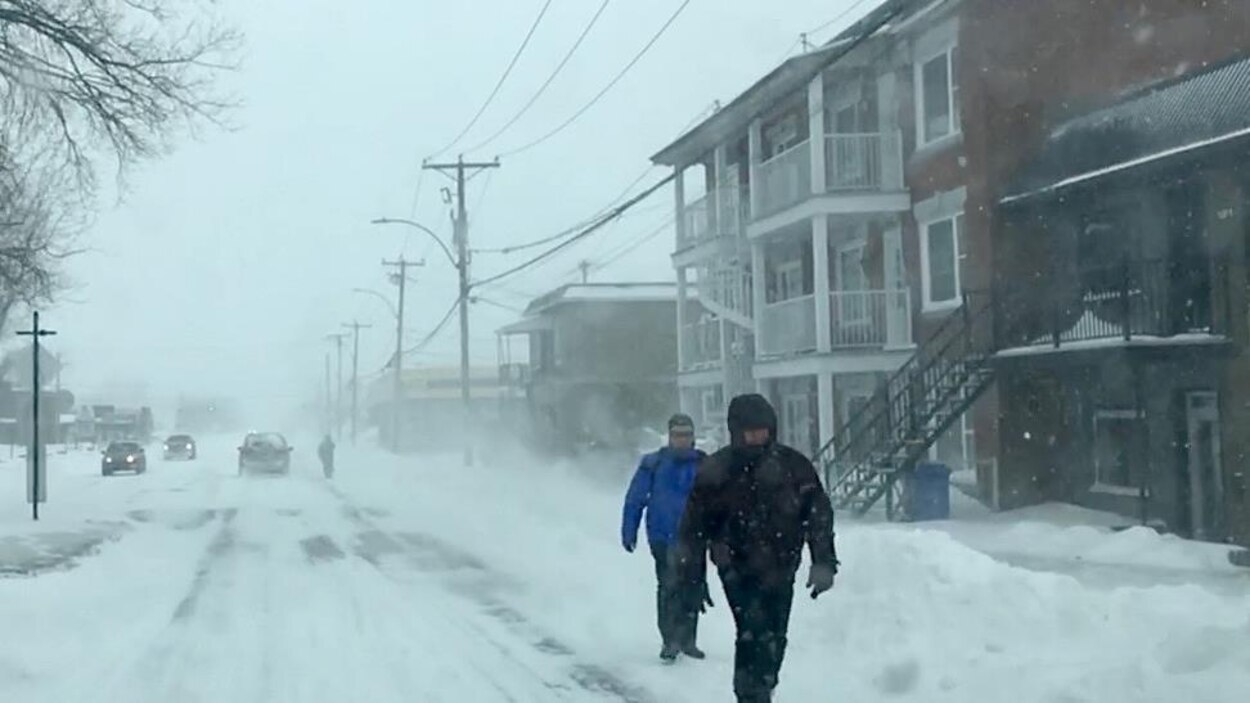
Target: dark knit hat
pixel 681 421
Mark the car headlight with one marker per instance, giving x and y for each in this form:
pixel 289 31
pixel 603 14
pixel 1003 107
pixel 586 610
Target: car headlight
pixel 130 459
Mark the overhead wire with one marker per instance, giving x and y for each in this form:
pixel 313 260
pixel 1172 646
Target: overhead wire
pixel 498 84
pixel 586 232
pixel 612 83
pixel 632 245
pixel 547 83
pixel 710 108
pixel 825 25
pixel 437 329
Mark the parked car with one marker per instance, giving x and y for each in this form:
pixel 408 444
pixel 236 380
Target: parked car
pixel 124 456
pixel 264 452
pixel 180 446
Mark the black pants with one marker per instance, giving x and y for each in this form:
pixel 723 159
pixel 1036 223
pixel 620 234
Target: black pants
pixel 677 619
pixel 761 611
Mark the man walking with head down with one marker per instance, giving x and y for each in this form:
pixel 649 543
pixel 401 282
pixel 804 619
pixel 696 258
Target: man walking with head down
pixel 754 505
pixel 660 487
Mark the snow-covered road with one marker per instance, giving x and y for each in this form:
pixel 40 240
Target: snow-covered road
pixel 421 580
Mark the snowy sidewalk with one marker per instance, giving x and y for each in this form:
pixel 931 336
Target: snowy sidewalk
pixel 917 615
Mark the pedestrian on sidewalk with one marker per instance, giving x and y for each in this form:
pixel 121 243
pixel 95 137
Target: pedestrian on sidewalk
pixel 660 486
pixel 753 506
pixel 325 452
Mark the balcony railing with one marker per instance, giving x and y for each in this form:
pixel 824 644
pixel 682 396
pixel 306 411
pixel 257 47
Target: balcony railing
pixel 701 345
pixel 870 318
pixel 784 179
pixel 697 222
pixel 1131 299
pixel 872 161
pixel 728 286
pixel 787 327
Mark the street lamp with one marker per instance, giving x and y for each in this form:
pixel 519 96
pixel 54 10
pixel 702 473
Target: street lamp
pixel 383 298
pixel 460 261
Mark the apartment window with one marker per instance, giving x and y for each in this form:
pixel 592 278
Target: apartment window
pixel 1116 432
pixel 940 251
pixel 939 96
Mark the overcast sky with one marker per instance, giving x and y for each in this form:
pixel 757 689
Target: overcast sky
pixel 228 261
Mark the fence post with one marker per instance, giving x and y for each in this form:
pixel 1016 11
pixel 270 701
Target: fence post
pixel 1126 306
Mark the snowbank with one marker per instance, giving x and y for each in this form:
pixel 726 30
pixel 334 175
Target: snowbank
pixel 917 615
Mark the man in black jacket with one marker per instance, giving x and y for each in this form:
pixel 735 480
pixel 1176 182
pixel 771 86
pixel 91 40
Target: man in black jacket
pixel 754 505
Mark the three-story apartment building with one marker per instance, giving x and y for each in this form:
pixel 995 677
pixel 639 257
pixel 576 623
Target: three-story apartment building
pixel 826 235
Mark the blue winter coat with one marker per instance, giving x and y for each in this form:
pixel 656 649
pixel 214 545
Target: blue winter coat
pixel 660 485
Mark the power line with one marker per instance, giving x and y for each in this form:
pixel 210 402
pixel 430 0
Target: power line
pixel 616 79
pixel 710 108
pixel 633 245
pixel 547 83
pixel 498 84
pixel 437 328
pixel 825 25
pixel 615 213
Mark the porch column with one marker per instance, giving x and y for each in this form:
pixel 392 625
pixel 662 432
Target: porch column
pixel 716 197
pixel 825 408
pixel 726 377
pixel 891 134
pixel 759 283
pixel 681 319
pixel 820 286
pixel 816 132
pixel 754 150
pixel 679 197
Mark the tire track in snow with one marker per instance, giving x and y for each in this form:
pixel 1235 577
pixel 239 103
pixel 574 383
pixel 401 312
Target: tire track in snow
pixel 473 579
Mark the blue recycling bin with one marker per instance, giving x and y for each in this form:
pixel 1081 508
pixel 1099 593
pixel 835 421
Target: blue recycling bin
pixel 929 492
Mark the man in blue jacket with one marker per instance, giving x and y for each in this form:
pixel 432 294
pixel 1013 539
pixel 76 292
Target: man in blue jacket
pixel 660 486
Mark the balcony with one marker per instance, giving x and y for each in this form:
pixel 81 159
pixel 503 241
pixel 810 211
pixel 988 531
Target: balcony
pixel 787 327
pixel 783 180
pixel 701 345
pixel 863 162
pixel 697 222
pixel 870 318
pixel 728 287
pixel 1147 301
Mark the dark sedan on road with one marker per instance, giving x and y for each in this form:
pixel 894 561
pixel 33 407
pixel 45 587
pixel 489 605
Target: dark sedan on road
pixel 180 446
pixel 266 452
pixel 124 456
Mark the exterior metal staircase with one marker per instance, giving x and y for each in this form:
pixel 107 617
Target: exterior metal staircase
pixel 877 447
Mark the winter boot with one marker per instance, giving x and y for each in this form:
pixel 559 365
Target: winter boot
pixel 668 653
pixel 692 650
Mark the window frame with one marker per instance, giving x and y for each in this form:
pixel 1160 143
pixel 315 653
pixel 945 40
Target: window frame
pixel 954 129
pixel 1100 486
pixel 926 275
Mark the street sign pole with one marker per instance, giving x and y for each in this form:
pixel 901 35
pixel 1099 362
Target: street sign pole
pixel 36 478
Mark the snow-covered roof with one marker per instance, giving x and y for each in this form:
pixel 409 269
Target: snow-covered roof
pixel 1165 120
pixel 782 81
pixel 603 293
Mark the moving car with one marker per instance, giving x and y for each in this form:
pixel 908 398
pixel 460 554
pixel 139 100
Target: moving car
pixel 124 456
pixel 265 452
pixel 180 446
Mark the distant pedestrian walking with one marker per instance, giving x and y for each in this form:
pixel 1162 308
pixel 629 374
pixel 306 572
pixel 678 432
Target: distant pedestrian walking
pixel 325 452
pixel 753 506
pixel 660 487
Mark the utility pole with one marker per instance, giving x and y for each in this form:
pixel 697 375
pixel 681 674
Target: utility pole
pixel 462 267
pixel 355 327
pixel 36 486
pixel 329 418
pixel 397 391
pixel 338 338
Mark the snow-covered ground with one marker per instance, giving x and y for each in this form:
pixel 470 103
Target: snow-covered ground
pixel 418 579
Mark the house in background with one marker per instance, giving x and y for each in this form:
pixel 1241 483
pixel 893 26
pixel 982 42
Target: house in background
pixel 432 417
pixel 602 363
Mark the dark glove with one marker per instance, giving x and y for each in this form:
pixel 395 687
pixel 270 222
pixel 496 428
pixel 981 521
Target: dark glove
pixel 629 544
pixel 707 599
pixel 820 579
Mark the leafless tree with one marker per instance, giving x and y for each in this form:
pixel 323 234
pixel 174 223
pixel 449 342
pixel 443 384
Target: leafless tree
pixel 83 81
pixel 122 76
